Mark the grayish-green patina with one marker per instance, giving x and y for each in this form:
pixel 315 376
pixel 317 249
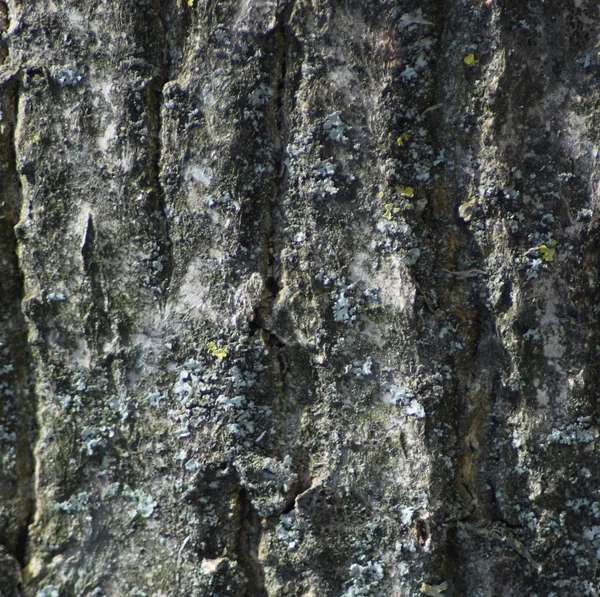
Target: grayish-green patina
pixel 299 298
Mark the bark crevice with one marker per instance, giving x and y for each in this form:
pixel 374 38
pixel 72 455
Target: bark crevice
pixel 248 542
pixel 278 126
pixel 18 424
pixel 271 268
pixel 158 209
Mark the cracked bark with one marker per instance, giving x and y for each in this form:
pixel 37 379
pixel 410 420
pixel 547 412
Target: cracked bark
pixel 294 312
pixel 17 399
pixel 248 546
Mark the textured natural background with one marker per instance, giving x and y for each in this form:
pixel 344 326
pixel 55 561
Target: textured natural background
pixel 299 298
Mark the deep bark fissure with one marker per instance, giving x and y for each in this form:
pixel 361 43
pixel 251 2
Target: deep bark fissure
pixel 277 124
pixel 22 543
pixel 473 384
pixel 278 128
pixel 98 320
pixel 155 105
pixel 302 484
pixel 250 528
pixel 165 244
pixel 284 95
pixel 18 384
pixel 248 542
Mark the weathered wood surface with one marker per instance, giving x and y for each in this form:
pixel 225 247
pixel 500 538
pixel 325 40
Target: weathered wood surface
pixel 299 298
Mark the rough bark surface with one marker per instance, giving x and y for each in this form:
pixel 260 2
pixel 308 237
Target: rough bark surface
pixel 299 298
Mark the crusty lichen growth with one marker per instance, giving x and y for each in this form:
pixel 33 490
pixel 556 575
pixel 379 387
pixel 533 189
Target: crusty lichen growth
pixel 311 300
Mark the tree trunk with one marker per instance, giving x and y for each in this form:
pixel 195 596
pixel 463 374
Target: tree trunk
pixel 299 298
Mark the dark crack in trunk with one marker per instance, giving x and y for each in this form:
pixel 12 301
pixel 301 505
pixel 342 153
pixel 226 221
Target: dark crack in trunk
pixel 18 426
pixel 156 200
pixel 248 542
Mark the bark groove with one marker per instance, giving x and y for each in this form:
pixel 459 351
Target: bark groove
pixel 18 425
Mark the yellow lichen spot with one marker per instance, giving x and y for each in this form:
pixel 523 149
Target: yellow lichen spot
pixel 469 59
pixel 36 138
pixel 380 194
pixel 191 3
pixel 388 211
pixel 405 191
pixel 548 251
pixel 402 139
pixel 220 353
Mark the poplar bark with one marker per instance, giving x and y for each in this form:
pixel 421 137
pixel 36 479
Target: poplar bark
pixel 299 298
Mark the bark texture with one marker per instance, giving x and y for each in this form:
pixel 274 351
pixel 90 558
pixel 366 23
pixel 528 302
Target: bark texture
pixel 299 298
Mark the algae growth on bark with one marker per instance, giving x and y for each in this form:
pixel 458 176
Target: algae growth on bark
pixel 299 298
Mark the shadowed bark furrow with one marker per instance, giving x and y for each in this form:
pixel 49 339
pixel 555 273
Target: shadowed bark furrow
pixel 18 426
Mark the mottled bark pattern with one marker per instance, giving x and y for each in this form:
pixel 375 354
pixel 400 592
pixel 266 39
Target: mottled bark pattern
pixel 299 298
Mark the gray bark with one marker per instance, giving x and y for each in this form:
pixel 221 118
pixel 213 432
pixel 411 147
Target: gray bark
pixel 299 298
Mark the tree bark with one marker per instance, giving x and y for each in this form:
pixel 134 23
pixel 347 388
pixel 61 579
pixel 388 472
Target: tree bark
pixel 299 298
